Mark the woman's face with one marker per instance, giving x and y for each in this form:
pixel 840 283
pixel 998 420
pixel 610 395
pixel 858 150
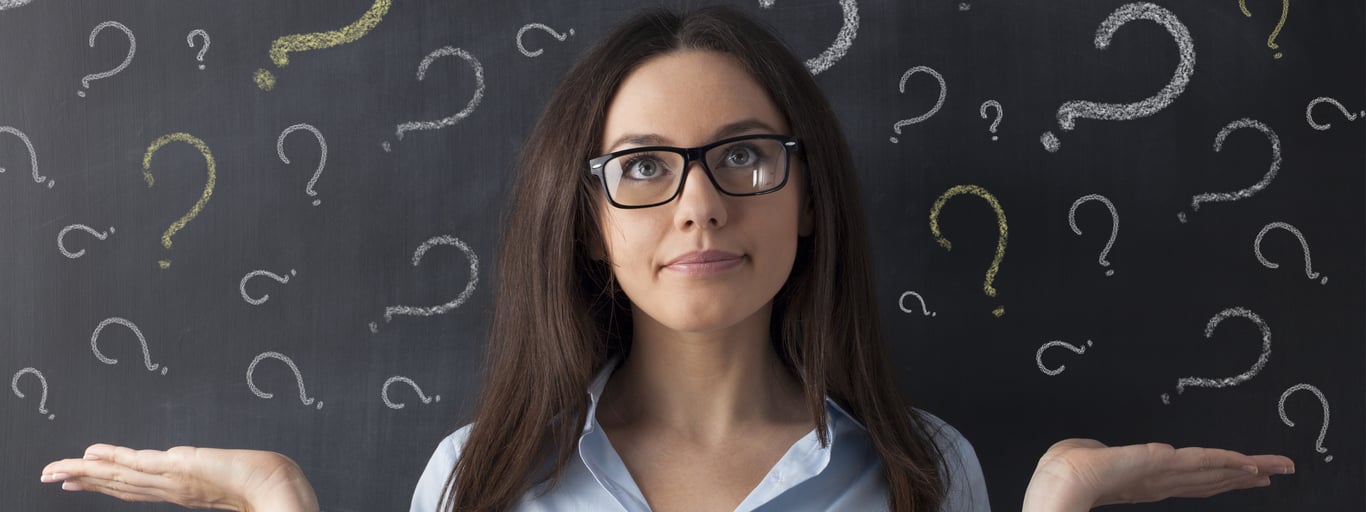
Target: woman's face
pixel 686 99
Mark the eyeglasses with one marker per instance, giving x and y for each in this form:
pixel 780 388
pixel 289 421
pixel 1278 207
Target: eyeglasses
pixel 748 165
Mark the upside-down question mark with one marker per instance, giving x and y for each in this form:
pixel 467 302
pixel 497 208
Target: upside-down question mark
pixel 132 48
pixel 62 234
pixel 1038 356
pixel 298 377
pixel 1000 227
pixel 1255 188
pixel 384 392
pixel 1000 113
pixel 1280 407
pixel 208 185
pixel 1308 264
pixel 146 356
pixel 943 91
pixel 1070 111
pixel 322 159
pixel 42 401
pixel 1235 380
pixel 469 107
pixel 189 39
pixel 539 26
pixel 1309 112
pixel 843 40
pixel 1271 40
pixel 390 311
pixel 32 155
pixel 280 48
pixel 242 285
pixel 1114 225
pixel 901 303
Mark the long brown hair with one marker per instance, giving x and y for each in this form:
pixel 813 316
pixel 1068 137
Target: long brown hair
pixel 558 319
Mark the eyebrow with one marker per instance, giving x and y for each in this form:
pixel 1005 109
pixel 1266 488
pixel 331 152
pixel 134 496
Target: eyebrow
pixel 652 139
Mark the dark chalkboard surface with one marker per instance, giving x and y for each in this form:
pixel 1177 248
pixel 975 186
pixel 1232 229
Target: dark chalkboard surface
pixel 175 281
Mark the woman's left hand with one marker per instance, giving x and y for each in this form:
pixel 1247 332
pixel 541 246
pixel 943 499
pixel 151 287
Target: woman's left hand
pixel 1078 474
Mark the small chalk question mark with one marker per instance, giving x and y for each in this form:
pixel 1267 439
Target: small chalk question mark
pixel 62 234
pixel 146 355
pixel 901 302
pixel 1114 225
pixel 189 39
pixel 469 107
pixel 132 48
pixel 242 285
pixel 1304 245
pixel 322 159
pixel 1309 112
pixel 32 155
pixel 1280 407
pixel 1255 188
pixel 1000 113
pixel 384 392
pixel 390 311
pixel 558 36
pixel 42 401
pixel 943 91
pixel 298 377
pixel 1038 356
pixel 1183 382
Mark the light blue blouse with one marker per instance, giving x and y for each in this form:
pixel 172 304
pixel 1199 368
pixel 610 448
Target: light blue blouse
pixel 846 475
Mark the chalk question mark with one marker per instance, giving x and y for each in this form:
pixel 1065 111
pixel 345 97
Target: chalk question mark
pixel 469 107
pixel 189 39
pixel 390 311
pixel 1183 382
pixel 1255 188
pixel 280 48
pixel 1308 265
pixel 242 285
pixel 62 234
pixel 843 40
pixel 132 48
pixel 1309 112
pixel 558 36
pixel 1271 40
pixel 146 356
pixel 1038 356
pixel 208 186
pixel 298 378
pixel 1000 113
pixel 1114 225
pixel 32 155
pixel 384 392
pixel 42 401
pixel 1000 226
pixel 901 303
pixel 1280 407
pixel 1070 111
pixel 943 90
pixel 322 159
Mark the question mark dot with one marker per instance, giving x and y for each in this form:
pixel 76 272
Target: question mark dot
pixel 164 264
pixel 994 138
pixel 438 398
pixel 201 67
pixel 893 139
pixel 317 202
pixel 1328 458
pixel 52 416
pixel 1050 142
pixel 1109 273
pixel 80 93
pixel 320 405
pixel 386 147
pixel 999 311
pixel 264 80
pixel 1166 399
pixel 1324 280
pixel 163 370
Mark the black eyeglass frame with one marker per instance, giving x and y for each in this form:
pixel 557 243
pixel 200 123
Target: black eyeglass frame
pixel 790 143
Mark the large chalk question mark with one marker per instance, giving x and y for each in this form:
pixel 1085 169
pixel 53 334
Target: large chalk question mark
pixel 242 285
pixel 469 107
pixel 32 154
pixel 1038 356
pixel 384 392
pixel 1309 112
pixel 62 234
pixel 1255 188
pixel 208 186
pixel 390 311
pixel 539 26
pixel 1000 226
pixel 843 40
pixel 322 159
pixel 1114 225
pixel 1070 111
pixel 943 90
pixel 1183 382
pixel 189 39
pixel 132 48
pixel 298 377
pixel 42 401
pixel 1280 407
pixel 901 303
pixel 280 48
pixel 1271 40
pixel 146 356
pixel 1308 264
pixel 1000 113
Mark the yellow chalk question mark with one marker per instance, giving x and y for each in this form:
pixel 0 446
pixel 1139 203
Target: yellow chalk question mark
pixel 1270 41
pixel 1000 224
pixel 279 50
pixel 208 187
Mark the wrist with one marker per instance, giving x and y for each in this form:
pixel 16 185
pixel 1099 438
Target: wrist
pixel 1055 489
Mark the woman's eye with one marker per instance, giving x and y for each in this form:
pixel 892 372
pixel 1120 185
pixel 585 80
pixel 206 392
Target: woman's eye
pixel 642 168
pixel 741 156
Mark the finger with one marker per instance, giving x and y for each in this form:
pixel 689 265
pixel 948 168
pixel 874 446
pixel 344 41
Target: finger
pixel 1219 487
pixel 146 461
pixel 1198 459
pixel 120 490
pixel 1274 464
pixel 104 470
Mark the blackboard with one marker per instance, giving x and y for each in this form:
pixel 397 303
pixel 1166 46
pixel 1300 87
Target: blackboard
pixel 1181 334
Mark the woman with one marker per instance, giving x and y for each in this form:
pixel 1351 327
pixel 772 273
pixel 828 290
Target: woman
pixel 690 250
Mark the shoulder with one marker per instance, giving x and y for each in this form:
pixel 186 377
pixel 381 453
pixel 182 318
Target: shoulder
pixel 967 489
pixel 433 479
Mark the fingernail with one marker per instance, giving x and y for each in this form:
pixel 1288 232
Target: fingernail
pixel 1250 469
pixel 1287 470
pixel 91 456
pixel 71 486
pixel 54 477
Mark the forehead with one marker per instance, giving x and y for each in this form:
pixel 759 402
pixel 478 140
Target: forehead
pixel 684 97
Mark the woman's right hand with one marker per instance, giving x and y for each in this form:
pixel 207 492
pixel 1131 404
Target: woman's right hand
pixel 242 480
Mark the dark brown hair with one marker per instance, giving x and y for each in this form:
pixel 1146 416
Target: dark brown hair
pixel 557 318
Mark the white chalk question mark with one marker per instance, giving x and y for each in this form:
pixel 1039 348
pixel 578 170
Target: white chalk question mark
pixel 384 392
pixel 1070 111
pixel 322 159
pixel 42 401
pixel 843 40
pixel 132 48
pixel 469 108
pixel 1309 112
pixel 189 39
pixel 298 378
pixel 32 155
pixel 943 91
pixel 390 311
pixel 1237 379
pixel 558 36
pixel 1255 188
pixel 242 285
pixel 1038 356
pixel 1308 265
pixel 1280 407
pixel 901 302
pixel 1000 113
pixel 146 356
pixel 62 234
pixel 1114 225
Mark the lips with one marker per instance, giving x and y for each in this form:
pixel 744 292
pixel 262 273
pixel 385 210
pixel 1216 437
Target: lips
pixel 703 263
pixel 708 256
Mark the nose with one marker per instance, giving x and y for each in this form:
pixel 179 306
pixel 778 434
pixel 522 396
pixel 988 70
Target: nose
pixel 700 204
